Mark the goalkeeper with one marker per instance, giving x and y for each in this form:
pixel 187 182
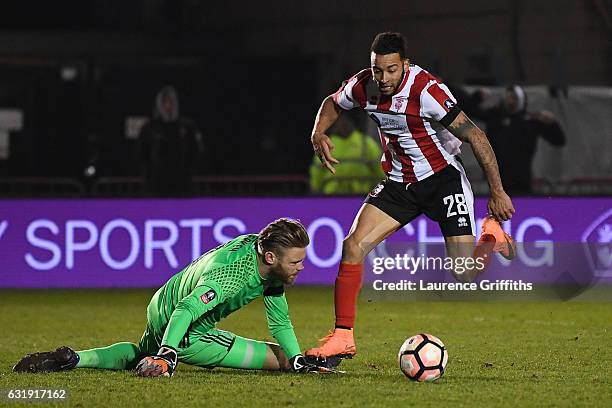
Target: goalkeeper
pixel 182 315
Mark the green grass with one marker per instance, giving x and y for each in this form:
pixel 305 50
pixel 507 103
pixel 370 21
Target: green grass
pixel 501 353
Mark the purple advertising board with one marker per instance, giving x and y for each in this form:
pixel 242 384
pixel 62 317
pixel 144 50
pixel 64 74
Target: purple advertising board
pixel 141 243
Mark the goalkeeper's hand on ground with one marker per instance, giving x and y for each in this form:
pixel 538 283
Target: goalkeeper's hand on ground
pixel 161 365
pixel 301 364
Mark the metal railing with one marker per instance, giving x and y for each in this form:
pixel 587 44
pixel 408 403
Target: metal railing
pixel 118 187
pixel 264 185
pixel 23 187
pixel 207 186
pixel 251 185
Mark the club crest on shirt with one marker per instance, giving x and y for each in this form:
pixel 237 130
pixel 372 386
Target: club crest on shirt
pixel 376 190
pixel 208 296
pixel 448 104
pixel 399 102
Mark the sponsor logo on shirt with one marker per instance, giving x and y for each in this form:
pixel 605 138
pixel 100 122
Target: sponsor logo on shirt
pixel 208 296
pixel 448 104
pixel 390 122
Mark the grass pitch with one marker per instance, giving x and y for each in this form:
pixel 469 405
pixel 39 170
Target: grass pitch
pixel 501 353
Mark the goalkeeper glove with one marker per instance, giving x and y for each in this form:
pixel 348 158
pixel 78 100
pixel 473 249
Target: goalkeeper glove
pixel 161 365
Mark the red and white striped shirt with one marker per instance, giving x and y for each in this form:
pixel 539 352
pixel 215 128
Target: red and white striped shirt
pixel 415 143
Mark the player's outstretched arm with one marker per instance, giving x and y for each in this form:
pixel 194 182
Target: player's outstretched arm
pixel 287 355
pixel 500 204
pixel 321 143
pixel 203 298
pixel 279 323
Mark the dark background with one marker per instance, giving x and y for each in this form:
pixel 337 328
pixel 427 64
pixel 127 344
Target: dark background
pixel 252 74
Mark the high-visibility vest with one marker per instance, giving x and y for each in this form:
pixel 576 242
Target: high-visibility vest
pixel 359 169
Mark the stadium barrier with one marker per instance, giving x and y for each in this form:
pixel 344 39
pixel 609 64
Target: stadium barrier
pixel 208 186
pixel 118 187
pixel 251 185
pixel 41 187
pixel 546 187
pixel 264 185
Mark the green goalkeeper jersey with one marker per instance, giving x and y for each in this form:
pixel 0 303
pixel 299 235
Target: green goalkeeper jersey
pixel 216 284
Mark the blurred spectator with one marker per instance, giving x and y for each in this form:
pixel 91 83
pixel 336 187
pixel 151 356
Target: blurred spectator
pixel 513 133
pixel 359 157
pixel 171 146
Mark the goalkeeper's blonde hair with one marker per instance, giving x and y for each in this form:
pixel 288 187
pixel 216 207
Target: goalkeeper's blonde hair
pixel 281 234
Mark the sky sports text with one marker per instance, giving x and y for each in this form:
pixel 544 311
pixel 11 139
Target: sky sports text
pixel 51 244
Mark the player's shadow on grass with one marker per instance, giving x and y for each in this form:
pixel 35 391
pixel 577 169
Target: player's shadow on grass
pixel 194 372
pixel 233 372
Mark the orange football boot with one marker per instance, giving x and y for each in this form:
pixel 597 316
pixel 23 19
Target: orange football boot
pixel 339 343
pixel 504 243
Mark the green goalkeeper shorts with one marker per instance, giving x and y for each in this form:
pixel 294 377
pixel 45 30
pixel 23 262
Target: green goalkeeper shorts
pixel 216 348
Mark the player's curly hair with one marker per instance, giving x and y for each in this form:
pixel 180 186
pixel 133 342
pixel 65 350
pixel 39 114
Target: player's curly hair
pixel 281 234
pixel 389 43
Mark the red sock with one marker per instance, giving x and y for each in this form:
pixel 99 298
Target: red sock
pixel 348 284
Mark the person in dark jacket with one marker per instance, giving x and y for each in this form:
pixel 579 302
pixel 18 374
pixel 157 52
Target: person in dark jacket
pixel 514 133
pixel 170 146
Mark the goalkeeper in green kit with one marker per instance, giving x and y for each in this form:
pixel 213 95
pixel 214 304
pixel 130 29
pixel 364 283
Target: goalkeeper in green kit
pixel 182 315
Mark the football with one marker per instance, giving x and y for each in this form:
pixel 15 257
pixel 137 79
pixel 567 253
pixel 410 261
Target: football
pixel 423 357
